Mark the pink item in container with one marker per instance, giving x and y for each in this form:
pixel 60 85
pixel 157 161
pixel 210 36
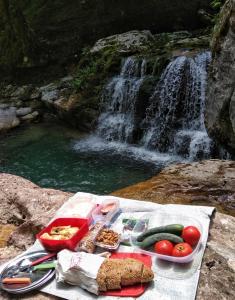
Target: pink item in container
pixel 106 211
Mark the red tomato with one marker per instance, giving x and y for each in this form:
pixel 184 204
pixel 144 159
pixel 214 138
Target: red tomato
pixel 191 235
pixel 164 247
pixel 182 249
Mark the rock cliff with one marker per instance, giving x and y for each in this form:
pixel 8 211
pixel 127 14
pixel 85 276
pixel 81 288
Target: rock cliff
pixel 37 32
pixel 220 104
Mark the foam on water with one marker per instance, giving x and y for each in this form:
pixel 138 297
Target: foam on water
pixel 96 144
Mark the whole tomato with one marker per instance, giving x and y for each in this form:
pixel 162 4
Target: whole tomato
pixel 191 235
pixel 182 249
pixel 164 247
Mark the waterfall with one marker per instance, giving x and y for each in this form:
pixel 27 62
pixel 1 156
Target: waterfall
pixel 117 122
pixel 174 121
pixel 170 124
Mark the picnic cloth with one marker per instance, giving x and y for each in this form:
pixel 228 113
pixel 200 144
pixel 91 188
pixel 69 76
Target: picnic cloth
pixel 182 287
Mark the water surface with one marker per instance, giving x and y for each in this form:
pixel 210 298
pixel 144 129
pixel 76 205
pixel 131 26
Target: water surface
pixel 45 154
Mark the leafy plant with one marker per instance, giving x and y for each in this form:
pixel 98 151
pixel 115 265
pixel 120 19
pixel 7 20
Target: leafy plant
pixel 216 4
pixel 94 68
pixel 84 75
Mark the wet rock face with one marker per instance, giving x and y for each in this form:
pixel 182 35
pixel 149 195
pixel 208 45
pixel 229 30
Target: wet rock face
pixel 209 182
pixel 220 103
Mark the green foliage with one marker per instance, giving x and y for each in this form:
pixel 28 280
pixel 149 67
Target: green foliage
pixel 94 68
pixel 84 75
pixel 217 4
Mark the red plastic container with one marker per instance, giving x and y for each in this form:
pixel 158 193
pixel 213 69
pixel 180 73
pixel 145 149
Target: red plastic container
pixel 57 245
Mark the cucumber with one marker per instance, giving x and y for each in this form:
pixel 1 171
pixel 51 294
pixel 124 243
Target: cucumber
pixel 149 241
pixel 172 228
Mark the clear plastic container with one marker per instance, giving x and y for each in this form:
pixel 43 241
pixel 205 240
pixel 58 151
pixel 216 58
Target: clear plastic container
pixel 109 247
pixel 97 214
pixel 162 219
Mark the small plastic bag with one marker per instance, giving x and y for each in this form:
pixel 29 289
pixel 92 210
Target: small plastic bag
pixel 87 244
pixel 128 226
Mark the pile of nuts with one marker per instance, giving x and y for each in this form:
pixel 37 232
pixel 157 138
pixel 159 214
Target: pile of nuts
pixel 107 237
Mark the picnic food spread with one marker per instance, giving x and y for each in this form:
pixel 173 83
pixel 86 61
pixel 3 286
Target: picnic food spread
pixel 77 243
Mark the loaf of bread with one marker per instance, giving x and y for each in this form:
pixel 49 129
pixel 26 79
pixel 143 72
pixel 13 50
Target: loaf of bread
pixel 115 273
pixel 98 274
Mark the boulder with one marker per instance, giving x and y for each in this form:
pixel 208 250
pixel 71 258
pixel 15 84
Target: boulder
pixel 209 182
pixel 23 111
pixel 220 100
pixel 8 118
pixel 127 42
pixel 29 208
pixel 22 92
pixel 49 93
pixel 4 105
pixel 36 94
pixel 218 266
pixel 30 117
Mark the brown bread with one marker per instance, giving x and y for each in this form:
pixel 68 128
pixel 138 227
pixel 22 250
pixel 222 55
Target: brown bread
pixel 115 273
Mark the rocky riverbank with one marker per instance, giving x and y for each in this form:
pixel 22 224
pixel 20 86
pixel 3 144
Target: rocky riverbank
pixel 209 182
pixel 27 208
pixel 29 103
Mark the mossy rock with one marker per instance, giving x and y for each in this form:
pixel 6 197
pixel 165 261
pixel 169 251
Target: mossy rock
pixel 96 67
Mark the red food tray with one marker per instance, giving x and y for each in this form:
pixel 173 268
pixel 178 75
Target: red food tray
pixel 57 245
pixel 134 290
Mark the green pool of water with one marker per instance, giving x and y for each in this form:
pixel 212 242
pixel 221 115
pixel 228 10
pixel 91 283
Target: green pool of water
pixel 45 155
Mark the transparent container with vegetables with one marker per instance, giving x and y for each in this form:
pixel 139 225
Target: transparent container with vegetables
pixel 174 238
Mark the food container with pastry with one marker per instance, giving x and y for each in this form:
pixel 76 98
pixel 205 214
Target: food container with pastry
pixel 106 210
pixel 63 233
pixel 108 239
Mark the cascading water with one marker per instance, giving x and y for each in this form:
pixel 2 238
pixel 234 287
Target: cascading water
pixel 117 122
pixel 172 126
pixel 175 119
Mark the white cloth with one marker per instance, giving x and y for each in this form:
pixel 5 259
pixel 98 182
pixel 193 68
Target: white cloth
pixel 184 287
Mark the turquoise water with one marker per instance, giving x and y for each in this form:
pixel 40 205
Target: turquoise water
pixel 45 154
